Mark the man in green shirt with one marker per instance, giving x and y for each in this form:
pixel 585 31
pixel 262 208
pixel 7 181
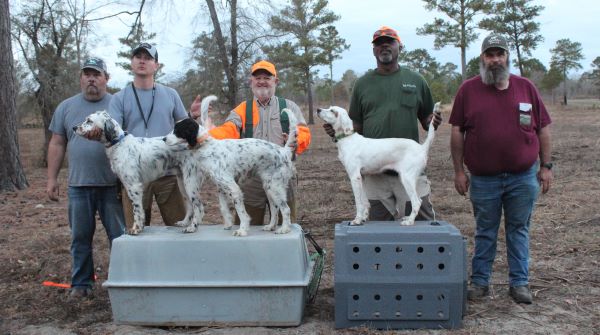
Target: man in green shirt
pixel 388 102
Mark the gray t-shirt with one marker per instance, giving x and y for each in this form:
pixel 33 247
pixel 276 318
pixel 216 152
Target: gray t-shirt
pixel 167 110
pixel 88 164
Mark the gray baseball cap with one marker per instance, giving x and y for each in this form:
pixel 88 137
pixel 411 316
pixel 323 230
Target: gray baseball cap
pixel 149 48
pixel 494 41
pixel 95 63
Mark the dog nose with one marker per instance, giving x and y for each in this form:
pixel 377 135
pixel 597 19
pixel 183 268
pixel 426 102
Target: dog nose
pixel 74 128
pixel 318 110
pixel 164 139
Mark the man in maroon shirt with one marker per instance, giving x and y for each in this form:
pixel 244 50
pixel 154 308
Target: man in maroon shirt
pixel 499 128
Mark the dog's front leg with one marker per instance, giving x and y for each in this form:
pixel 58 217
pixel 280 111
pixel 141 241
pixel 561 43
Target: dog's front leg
pixel 237 198
pixel 193 185
pixel 360 198
pixel 136 194
pixel 187 199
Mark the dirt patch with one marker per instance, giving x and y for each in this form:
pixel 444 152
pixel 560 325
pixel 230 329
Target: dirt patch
pixel 565 245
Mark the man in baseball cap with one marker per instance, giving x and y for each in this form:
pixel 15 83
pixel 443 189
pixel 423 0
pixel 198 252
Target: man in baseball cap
pixel 92 186
pixel 261 117
pixel 500 135
pixel 148 48
pixel 391 101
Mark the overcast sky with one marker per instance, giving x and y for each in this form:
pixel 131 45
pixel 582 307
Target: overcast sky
pixel 177 25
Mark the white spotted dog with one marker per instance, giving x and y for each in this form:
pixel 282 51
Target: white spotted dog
pixel 136 161
pixel 364 156
pixel 230 160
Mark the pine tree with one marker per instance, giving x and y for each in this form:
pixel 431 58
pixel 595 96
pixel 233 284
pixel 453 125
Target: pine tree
pixel 515 20
pixel 460 30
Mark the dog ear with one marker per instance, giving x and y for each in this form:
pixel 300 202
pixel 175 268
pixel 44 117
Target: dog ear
pixel 109 130
pixel 187 129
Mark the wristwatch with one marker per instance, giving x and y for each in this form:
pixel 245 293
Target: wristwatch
pixel 547 165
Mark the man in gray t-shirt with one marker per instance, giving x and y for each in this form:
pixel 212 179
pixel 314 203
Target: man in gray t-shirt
pixel 92 185
pixel 145 108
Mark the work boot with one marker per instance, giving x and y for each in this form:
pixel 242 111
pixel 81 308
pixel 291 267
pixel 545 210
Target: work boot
pixel 80 293
pixel 477 291
pixel 521 294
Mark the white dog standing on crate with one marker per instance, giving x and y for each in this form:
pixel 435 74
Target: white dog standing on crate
pixel 225 162
pixel 137 161
pixel 366 156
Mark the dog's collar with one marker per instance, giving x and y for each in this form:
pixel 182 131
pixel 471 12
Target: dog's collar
pixel 342 135
pixel 117 140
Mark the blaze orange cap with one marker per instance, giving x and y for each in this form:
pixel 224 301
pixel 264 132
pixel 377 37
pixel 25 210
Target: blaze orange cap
pixel 264 65
pixel 386 31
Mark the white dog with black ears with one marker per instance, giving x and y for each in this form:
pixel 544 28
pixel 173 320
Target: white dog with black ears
pixel 364 156
pixel 229 160
pixel 136 161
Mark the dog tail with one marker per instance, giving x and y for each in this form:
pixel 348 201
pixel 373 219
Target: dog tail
pixel 204 108
pixel 293 132
pixel 431 130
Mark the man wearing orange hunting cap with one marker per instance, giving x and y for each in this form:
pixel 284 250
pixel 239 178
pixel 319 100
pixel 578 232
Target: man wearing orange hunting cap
pixel 389 102
pixel 260 117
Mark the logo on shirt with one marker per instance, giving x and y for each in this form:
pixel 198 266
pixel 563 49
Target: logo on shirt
pixel 409 85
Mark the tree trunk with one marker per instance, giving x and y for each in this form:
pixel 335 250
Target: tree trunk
pixel 565 87
pixel 311 119
pixel 12 175
pixel 227 66
pixel 519 61
pixel 331 81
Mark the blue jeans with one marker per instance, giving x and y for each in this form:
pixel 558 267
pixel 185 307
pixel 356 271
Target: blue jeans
pixel 516 194
pixel 84 202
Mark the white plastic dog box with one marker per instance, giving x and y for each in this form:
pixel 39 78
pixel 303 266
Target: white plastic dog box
pixel 167 278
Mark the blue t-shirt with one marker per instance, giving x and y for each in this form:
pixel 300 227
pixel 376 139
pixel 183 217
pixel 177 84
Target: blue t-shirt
pixel 88 164
pixel 167 110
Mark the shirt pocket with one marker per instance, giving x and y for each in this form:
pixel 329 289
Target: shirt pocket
pixel 409 97
pixel 525 117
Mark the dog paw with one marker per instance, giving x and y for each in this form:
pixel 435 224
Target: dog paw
pixel 190 229
pixel 357 222
pixel 268 227
pixel 406 222
pixel 182 223
pixel 227 227
pixel 240 233
pixel 134 231
pixel 283 230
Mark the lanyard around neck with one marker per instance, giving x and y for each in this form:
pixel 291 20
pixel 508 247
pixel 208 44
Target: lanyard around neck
pixel 137 99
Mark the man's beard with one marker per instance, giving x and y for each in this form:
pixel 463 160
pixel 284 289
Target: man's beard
pixel 263 93
pixel 386 58
pixel 494 74
pixel 92 92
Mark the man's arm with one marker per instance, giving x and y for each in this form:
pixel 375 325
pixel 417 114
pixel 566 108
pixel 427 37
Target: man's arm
pixel 457 141
pixel 545 175
pixel 56 153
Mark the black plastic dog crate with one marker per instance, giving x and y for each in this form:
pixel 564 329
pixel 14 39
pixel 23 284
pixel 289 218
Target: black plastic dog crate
pixel 389 276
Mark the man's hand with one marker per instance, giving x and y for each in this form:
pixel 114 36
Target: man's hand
pixel 545 178
pixel 461 183
pixel 329 129
pixel 195 107
pixel 294 143
pixel 436 118
pixel 52 189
